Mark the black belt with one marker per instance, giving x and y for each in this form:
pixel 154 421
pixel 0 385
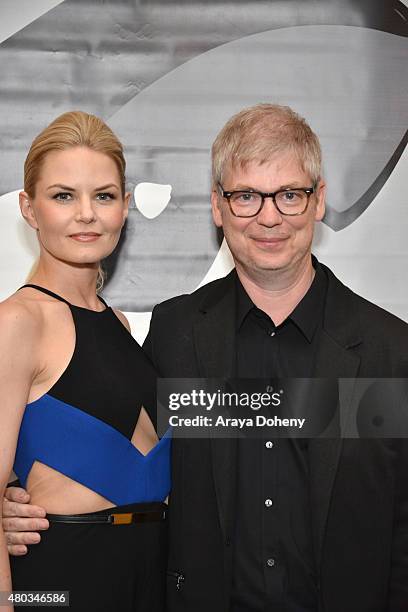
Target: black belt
pixel 121 518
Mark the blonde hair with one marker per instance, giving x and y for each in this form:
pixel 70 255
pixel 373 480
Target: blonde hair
pixel 258 133
pixel 72 129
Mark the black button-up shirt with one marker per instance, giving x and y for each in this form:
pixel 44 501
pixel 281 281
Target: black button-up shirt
pixel 273 556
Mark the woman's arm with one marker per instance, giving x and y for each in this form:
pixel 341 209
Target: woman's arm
pixel 18 341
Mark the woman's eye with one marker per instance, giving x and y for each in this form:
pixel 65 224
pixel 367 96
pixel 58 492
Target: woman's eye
pixel 63 196
pixel 105 196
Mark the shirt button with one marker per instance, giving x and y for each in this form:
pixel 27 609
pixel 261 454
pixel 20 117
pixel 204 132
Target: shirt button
pixel 268 503
pixel 269 444
pixel 270 562
pixel 272 333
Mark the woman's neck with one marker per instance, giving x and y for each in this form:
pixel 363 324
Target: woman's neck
pixel 75 282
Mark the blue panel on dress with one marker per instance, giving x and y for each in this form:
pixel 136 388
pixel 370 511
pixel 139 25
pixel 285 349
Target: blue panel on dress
pixel 92 453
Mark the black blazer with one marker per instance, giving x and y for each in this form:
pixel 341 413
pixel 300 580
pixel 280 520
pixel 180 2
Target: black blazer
pixel 359 488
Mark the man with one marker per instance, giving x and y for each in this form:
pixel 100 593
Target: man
pixel 270 524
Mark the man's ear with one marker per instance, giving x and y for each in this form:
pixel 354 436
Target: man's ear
pixel 27 209
pixel 320 208
pixel 216 212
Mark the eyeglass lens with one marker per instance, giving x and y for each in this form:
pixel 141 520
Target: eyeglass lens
pixel 247 203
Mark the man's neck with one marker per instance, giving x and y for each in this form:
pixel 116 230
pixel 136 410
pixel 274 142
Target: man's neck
pixel 278 294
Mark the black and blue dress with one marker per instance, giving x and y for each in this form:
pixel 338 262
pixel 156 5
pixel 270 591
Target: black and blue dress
pixel 82 427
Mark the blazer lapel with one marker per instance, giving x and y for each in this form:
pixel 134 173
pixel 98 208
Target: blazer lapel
pixel 335 359
pixel 214 335
pixel 324 453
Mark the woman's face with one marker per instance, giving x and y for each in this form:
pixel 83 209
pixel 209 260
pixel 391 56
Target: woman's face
pixel 78 209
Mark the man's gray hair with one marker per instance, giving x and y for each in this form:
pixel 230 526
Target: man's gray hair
pixel 259 133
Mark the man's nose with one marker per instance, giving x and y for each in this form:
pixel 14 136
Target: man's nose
pixel 85 210
pixel 269 214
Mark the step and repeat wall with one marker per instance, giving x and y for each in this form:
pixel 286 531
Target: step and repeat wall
pixel 166 75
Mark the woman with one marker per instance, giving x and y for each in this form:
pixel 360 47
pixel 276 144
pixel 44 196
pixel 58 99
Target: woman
pixel 77 389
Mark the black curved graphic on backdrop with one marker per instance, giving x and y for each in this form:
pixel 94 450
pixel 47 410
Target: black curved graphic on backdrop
pixel 99 55
pixel 339 220
pixel 109 42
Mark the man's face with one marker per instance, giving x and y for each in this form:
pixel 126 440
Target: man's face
pixel 270 241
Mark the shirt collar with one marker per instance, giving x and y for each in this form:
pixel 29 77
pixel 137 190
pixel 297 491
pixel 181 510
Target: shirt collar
pixel 244 302
pixel 306 315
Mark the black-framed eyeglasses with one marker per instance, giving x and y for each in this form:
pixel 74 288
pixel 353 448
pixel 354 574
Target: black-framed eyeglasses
pixel 249 203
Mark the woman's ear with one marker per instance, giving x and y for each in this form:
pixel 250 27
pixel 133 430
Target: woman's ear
pixel 126 201
pixel 27 209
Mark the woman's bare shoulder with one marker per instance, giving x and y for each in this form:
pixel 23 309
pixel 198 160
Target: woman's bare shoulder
pixel 20 318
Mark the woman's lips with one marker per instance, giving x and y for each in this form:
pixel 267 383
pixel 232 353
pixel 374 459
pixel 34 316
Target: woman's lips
pixel 85 236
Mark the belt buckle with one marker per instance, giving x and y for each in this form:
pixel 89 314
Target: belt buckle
pixel 124 518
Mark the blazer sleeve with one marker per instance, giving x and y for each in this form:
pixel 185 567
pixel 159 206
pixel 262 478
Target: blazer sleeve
pixel 148 344
pixel 398 589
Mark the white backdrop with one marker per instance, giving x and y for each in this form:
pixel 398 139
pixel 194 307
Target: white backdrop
pixel 370 255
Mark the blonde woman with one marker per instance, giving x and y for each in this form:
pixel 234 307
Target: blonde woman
pixel 77 390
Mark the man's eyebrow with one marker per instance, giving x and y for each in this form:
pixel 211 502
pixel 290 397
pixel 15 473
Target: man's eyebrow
pixel 244 187
pixel 291 185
